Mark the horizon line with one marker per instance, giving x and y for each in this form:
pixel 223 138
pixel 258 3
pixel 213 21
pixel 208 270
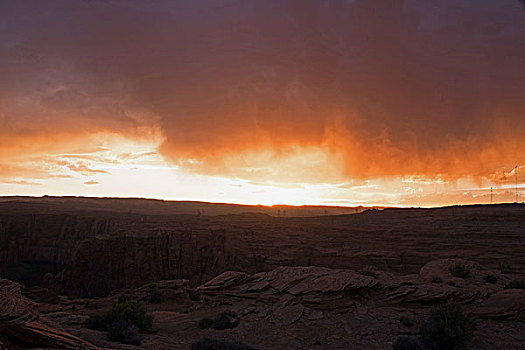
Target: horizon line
pixel 382 206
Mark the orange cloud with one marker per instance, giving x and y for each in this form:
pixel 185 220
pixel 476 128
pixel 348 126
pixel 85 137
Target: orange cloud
pixel 20 182
pixel 289 92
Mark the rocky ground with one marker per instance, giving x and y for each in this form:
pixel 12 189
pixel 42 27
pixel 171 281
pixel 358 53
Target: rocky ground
pixel 286 308
pixel 331 282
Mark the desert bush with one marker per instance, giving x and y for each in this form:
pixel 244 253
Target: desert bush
pixel 214 344
pixel 505 268
pixel 135 312
pixel 436 279
pixel 459 270
pixel 404 342
pixel 448 327
pixel 368 273
pixel 123 322
pixel 87 304
pixel 518 283
pixel 490 279
pixel 155 297
pixel 205 323
pixel 124 332
pixel 452 283
pixel 226 320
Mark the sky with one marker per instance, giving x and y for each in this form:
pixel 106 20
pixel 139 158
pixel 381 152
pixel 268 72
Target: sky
pixel 344 102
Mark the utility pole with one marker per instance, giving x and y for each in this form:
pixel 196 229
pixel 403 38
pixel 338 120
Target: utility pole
pixel 516 174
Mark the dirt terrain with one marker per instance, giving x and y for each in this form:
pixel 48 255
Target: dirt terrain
pixel 305 282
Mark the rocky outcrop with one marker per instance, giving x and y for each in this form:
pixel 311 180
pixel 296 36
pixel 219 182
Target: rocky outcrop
pixel 41 295
pixel 19 320
pixel 341 306
pixel 503 304
pixel 315 287
pixel 337 289
pixel 311 308
pixel 42 335
pixel 15 309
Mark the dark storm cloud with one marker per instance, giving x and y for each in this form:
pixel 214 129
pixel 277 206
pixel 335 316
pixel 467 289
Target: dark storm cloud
pixel 393 87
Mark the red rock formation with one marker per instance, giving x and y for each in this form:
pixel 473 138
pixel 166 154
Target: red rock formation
pixel 314 308
pixel 503 304
pixel 40 334
pixel 15 309
pixel 18 319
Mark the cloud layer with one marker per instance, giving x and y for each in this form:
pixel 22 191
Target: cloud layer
pixel 305 91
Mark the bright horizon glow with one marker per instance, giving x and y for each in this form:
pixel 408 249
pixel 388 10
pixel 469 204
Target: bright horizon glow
pixel 117 166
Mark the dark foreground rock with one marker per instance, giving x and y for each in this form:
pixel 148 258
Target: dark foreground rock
pixel 313 308
pixel 20 326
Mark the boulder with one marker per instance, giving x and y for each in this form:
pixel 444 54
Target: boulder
pixel 504 304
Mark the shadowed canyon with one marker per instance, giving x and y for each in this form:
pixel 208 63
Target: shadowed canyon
pixel 318 277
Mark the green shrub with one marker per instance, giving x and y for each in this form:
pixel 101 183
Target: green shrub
pixel 226 320
pixel 205 323
pixel 406 284
pixel 123 322
pixel 490 279
pixel 404 342
pixel 87 304
pixel 448 327
pixel 436 279
pixel 368 273
pixel 124 332
pixel 518 283
pixel 155 297
pixel 452 283
pixel 214 344
pixel 135 312
pixel 505 268
pixel 459 270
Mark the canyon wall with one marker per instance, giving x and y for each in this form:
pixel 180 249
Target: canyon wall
pixel 34 244
pixel 91 254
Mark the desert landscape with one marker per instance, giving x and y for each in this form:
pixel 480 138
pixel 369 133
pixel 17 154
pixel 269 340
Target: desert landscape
pixel 345 281
pixel 262 175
